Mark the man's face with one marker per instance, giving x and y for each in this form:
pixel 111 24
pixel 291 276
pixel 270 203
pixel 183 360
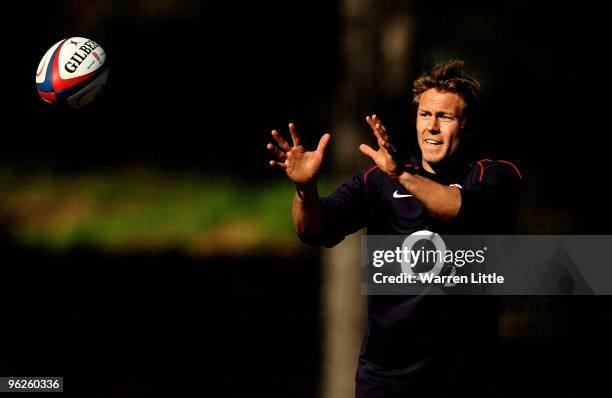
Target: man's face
pixel 438 123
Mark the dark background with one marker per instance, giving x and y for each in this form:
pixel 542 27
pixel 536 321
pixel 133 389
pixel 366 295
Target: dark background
pixel 198 88
pixel 201 86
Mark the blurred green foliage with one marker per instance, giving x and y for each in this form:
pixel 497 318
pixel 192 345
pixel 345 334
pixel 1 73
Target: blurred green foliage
pixel 141 209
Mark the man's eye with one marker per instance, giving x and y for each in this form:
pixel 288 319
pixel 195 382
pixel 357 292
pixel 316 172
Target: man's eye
pixel 425 114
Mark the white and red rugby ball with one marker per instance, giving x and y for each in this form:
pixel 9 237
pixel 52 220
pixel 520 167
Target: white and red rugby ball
pixel 72 72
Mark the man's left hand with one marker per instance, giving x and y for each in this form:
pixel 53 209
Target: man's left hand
pixel 385 156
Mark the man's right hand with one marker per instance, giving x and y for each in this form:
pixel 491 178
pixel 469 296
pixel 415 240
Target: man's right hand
pixel 302 167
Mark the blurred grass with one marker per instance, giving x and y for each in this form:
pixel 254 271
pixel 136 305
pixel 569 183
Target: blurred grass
pixel 141 209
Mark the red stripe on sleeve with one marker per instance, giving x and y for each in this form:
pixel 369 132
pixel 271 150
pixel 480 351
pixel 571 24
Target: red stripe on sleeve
pixel 518 172
pixel 365 176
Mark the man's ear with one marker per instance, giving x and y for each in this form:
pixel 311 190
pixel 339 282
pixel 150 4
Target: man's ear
pixel 465 130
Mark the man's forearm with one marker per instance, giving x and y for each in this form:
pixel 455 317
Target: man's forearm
pixel 442 201
pixel 307 211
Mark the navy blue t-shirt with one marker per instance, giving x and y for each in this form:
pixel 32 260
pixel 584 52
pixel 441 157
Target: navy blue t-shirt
pixel 411 342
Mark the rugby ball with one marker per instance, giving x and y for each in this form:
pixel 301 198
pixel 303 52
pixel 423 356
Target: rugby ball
pixel 72 72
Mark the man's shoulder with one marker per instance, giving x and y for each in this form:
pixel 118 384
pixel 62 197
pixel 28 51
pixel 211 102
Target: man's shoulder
pixel 372 172
pixel 487 169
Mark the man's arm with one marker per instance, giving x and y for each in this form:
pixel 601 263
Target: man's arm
pixel 307 211
pixel 442 201
pixel 302 168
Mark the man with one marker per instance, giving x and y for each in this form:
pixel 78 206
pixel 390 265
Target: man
pixel 427 344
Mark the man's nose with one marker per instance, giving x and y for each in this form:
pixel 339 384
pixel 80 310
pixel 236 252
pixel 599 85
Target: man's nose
pixel 432 125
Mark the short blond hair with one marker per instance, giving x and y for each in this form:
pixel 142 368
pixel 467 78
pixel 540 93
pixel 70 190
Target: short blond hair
pixel 449 77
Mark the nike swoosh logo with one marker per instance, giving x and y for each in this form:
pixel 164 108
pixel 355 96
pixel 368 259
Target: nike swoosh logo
pixel 398 195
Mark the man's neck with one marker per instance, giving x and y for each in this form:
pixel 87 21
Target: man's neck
pixel 448 168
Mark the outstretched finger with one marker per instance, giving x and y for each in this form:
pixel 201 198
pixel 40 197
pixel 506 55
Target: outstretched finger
pixel 281 141
pixel 372 124
pixel 294 135
pixel 323 142
pixel 277 152
pixel 367 150
pixel 380 129
pixel 281 165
